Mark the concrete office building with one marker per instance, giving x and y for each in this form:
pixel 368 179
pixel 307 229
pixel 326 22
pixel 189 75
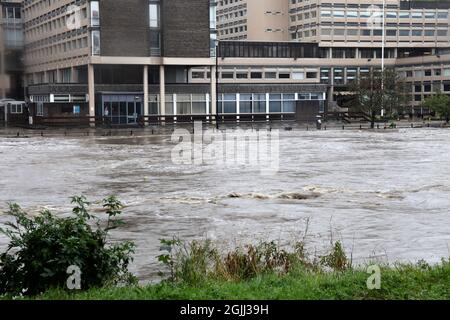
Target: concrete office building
pixel 348 35
pixel 119 59
pixel 254 20
pixel 161 62
pixel 89 58
pixel 11 46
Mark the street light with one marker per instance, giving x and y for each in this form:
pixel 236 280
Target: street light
pixel 383 40
pixel 217 84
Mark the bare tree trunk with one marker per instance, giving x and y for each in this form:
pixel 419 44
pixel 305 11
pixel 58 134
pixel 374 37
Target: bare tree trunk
pixel 372 120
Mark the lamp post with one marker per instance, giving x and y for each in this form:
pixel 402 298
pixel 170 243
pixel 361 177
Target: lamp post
pixel 217 84
pixel 383 44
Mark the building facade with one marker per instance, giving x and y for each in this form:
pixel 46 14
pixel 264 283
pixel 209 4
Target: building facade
pixel 89 59
pixel 11 47
pixel 253 20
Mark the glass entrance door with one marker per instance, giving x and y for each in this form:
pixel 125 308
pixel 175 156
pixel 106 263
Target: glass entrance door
pixel 122 109
pixel 131 113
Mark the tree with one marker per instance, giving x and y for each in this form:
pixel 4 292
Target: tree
pixel 377 91
pixel 440 103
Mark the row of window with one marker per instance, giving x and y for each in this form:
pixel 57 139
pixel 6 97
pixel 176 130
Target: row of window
pixel 389 14
pixel 239 29
pixel 389 32
pixel 12 13
pixel 58 49
pixel 186 104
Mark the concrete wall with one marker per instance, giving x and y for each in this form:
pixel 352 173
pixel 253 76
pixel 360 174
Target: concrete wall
pixel 259 20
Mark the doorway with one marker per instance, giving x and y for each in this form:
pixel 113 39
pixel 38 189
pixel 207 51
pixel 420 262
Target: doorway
pixel 122 109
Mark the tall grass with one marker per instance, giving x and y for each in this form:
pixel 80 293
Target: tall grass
pixel 199 261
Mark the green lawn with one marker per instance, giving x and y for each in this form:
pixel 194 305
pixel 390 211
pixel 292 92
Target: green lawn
pixel 401 282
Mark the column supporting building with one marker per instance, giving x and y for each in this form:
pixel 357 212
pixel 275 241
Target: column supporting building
pixel 91 93
pixel 146 97
pixel 214 88
pixel 162 91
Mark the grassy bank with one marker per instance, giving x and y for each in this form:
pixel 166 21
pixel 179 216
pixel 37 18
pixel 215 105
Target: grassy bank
pixel 45 249
pixel 400 282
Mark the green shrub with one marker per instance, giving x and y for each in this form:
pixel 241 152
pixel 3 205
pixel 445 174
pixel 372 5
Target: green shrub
pixel 42 248
pixel 336 259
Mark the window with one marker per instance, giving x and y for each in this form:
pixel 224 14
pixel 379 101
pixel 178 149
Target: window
pixel 228 103
pixel 16 109
pixel 154 14
pixel 39 109
pixel 154 23
pixel 95 42
pixel 66 75
pixel 241 75
pixel 228 75
pixel 298 75
pixel 198 75
pixel 256 75
pixel 183 104
pixel 275 103
pixel 245 103
pixel 259 103
pixel 155 39
pixel 95 13
pixel 288 102
pixel 153 104
pixel 198 104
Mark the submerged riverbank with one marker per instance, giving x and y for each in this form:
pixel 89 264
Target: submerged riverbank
pixel 397 282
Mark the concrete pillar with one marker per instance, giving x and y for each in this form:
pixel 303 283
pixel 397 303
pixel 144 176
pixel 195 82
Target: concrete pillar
pixel 91 91
pixel 146 98
pixel 213 90
pixel 162 91
pixel 331 89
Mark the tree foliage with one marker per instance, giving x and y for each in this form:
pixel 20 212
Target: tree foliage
pixel 42 248
pixel 440 103
pixel 377 91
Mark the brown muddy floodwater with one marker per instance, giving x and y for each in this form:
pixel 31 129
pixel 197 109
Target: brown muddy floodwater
pixel 386 195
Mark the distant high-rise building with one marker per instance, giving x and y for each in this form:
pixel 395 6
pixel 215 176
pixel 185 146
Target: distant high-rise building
pixel 254 20
pixel 11 46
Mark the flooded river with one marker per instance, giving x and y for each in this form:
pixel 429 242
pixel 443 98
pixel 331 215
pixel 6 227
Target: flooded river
pixel 384 194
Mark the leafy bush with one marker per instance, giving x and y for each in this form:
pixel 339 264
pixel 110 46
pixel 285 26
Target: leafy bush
pixel 336 259
pixel 42 248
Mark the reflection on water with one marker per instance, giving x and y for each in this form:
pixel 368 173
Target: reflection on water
pixel 384 194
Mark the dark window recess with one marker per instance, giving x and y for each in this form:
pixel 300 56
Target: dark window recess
pixel 242 49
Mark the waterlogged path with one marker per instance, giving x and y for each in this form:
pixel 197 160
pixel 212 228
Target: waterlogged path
pixel 386 194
